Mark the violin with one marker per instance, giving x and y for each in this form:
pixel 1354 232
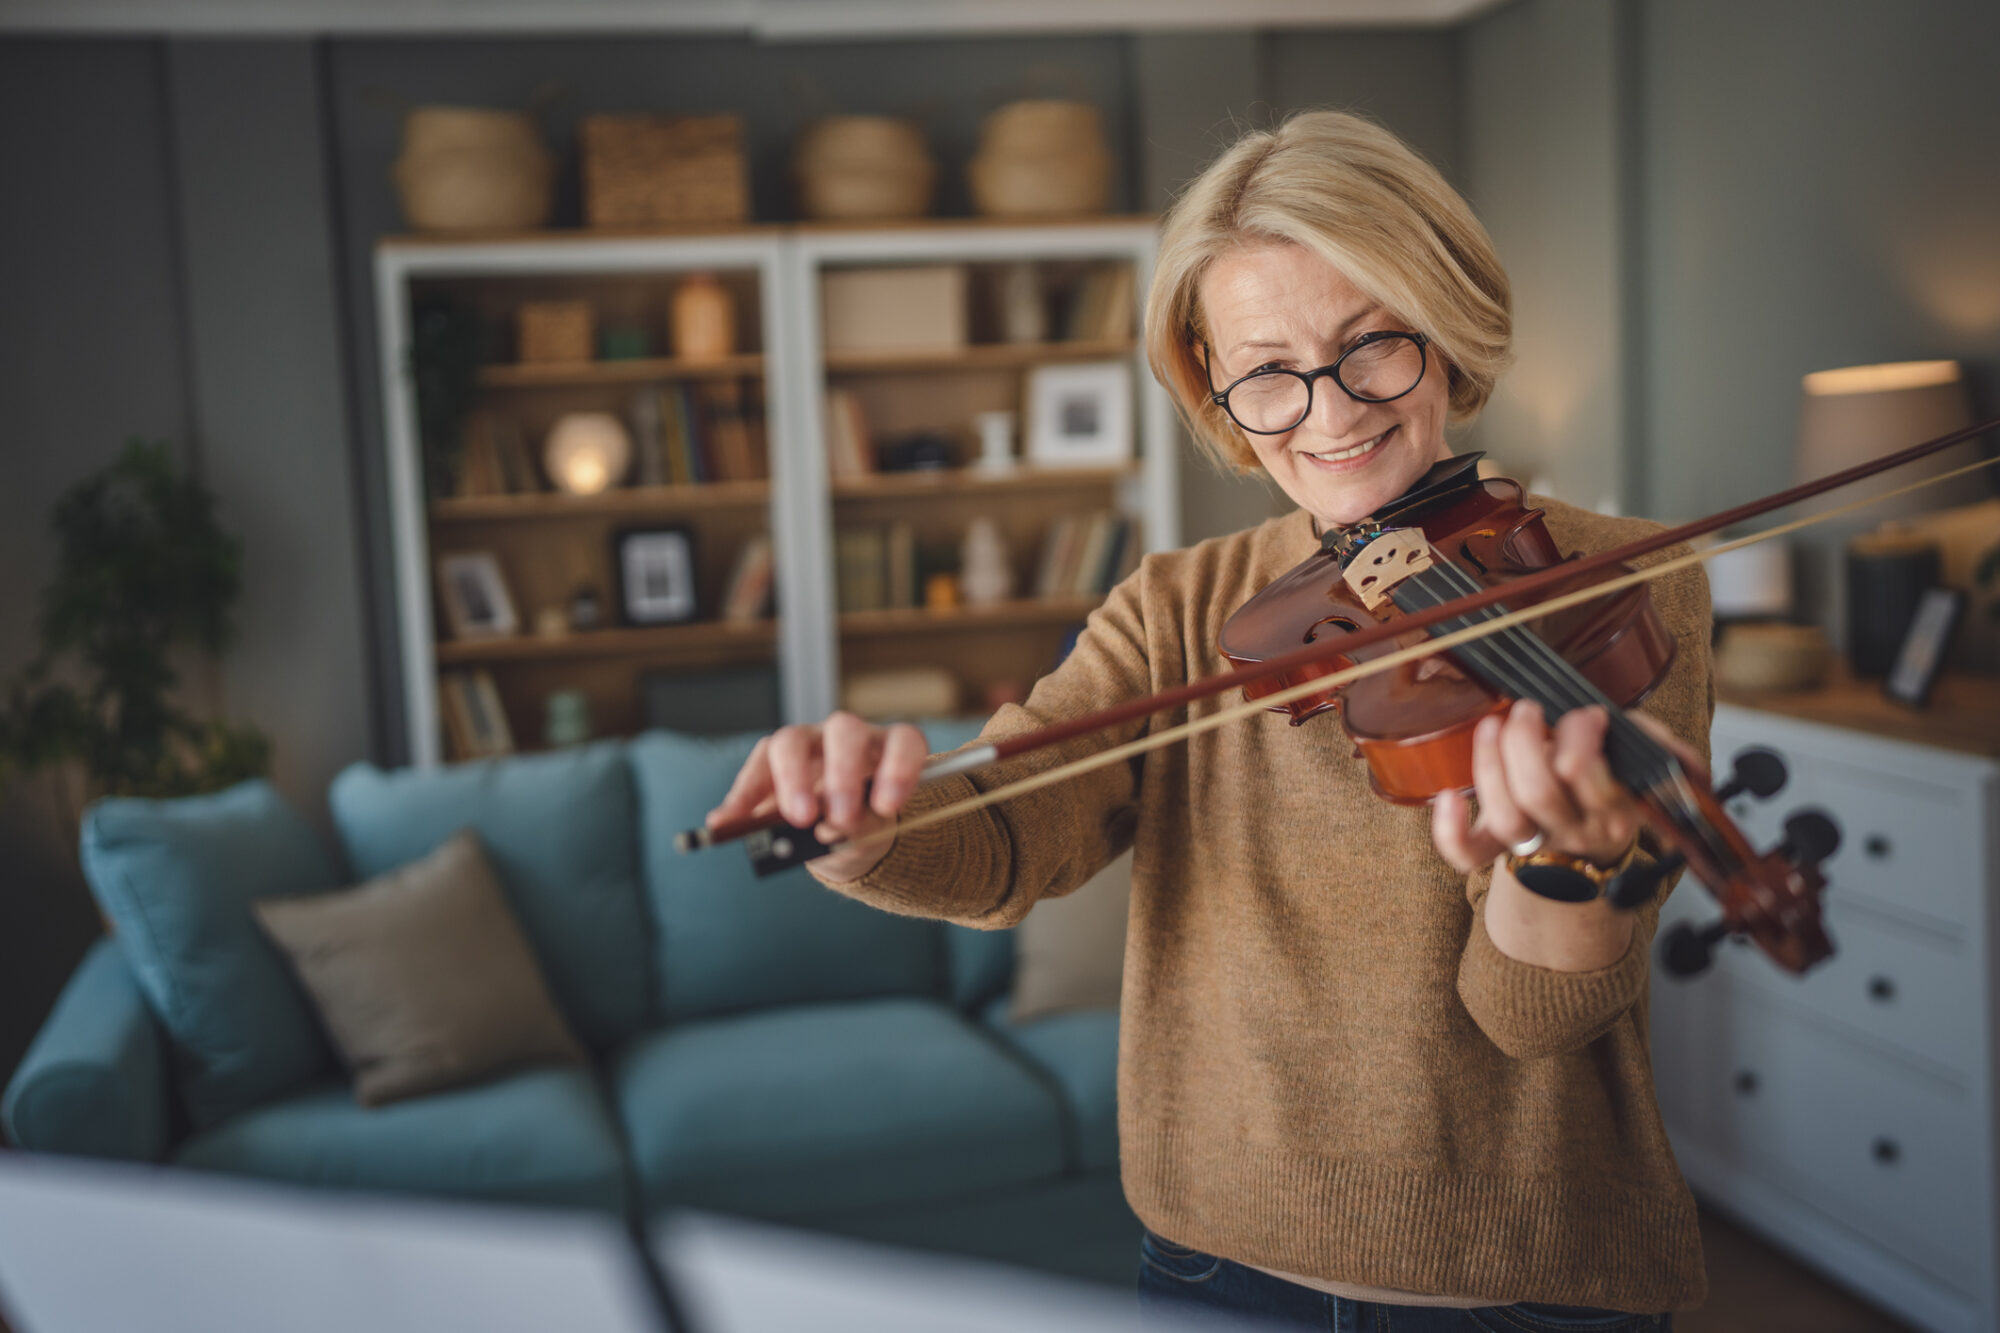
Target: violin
pixel 1455 533
pixel 1430 573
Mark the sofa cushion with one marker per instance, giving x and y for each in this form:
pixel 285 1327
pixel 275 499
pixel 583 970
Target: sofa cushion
pixel 1078 1052
pixel 176 879
pixel 422 976
pixel 558 830
pixel 540 1136
pixel 728 940
pixel 788 1112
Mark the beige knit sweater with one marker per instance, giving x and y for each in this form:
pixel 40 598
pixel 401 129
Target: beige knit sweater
pixel 1326 1067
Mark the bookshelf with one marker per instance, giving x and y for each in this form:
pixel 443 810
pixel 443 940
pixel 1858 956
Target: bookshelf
pixel 550 543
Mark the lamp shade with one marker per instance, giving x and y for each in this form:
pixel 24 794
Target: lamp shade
pixel 1859 413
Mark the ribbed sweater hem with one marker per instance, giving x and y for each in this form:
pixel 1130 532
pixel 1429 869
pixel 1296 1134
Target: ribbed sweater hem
pixel 1575 1241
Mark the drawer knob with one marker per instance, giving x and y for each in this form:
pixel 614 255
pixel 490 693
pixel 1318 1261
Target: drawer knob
pixel 1886 1151
pixel 1745 1082
pixel 1876 845
pixel 1881 989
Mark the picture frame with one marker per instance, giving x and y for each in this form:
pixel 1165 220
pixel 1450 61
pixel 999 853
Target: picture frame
pixel 656 575
pixel 1921 658
pixel 1080 415
pixel 473 592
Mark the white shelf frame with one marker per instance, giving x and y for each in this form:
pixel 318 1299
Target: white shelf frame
pixel 787 264
pixel 1157 501
pixel 397 266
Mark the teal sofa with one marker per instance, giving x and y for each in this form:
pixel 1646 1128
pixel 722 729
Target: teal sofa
pixel 761 1047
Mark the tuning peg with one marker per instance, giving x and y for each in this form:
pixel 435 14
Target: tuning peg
pixel 1635 885
pixel 1687 950
pixel 1755 770
pixel 1810 837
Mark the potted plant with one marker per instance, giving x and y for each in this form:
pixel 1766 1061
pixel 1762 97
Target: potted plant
pixel 142 572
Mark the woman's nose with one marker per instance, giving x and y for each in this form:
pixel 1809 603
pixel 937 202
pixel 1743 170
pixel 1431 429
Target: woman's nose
pixel 1333 412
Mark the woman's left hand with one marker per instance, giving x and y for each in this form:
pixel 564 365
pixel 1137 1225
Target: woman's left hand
pixel 1529 779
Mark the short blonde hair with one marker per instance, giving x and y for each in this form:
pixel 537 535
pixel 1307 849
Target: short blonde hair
pixel 1353 193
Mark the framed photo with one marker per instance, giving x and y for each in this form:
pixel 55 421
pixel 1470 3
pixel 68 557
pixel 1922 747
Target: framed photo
pixel 474 596
pixel 655 575
pixel 1080 415
pixel 1921 657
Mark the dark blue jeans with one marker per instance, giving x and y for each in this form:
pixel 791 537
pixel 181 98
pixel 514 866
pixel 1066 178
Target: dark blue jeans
pixel 1180 1282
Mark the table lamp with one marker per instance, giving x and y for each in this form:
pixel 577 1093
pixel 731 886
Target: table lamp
pixel 1858 413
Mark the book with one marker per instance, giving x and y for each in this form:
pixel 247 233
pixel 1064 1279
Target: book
pixel 728 434
pixel 1114 319
pixel 673 438
pixel 904 590
pixel 1105 575
pixel 699 468
pixel 748 596
pixel 518 472
pixel 861 573
pixel 649 456
pixel 1056 548
pixel 848 452
pixel 475 722
pixel 1090 557
pixel 1100 310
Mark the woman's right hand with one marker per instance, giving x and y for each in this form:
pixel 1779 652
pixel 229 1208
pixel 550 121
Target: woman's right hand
pixel 819 777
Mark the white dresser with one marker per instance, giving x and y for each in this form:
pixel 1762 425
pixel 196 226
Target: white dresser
pixel 1849 1115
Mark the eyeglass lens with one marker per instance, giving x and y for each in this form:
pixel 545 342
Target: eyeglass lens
pixel 1277 400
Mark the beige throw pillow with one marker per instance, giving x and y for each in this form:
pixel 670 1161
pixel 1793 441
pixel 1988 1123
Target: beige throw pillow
pixel 422 976
pixel 1069 952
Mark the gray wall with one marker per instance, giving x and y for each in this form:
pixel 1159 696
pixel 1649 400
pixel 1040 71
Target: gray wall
pixel 1821 186
pixel 90 355
pixel 1544 115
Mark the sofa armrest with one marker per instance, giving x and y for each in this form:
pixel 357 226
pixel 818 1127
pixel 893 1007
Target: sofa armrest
pixel 94 1083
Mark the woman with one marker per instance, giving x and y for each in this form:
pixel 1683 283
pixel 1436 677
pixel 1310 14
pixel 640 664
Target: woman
pixel 1365 1078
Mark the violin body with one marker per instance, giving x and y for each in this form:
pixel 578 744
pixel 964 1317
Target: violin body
pixel 1413 724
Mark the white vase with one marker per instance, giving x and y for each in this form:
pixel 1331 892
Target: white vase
pixel 985 574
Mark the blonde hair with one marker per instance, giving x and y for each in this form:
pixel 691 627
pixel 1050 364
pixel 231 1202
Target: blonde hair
pixel 1359 197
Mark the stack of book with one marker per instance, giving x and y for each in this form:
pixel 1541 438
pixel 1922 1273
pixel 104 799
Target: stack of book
pixel 877 567
pixel 685 434
pixel 1086 555
pixel 1101 310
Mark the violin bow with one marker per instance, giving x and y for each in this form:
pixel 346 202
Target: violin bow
pixel 987 753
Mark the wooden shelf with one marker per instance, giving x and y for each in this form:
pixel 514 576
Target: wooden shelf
pixel 1964 711
pixel 624 501
pixel 634 370
pixel 1006 615
pixel 885 485
pixel 711 642
pixel 978 356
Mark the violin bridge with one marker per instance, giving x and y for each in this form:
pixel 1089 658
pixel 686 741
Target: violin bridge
pixel 1378 567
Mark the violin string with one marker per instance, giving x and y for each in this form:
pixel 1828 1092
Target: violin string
pixel 1563 684
pixel 1276 699
pixel 1524 665
pixel 1638 761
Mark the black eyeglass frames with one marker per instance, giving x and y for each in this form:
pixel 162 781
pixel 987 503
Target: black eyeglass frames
pixel 1380 368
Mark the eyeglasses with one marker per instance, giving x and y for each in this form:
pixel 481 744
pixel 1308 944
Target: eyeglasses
pixel 1381 368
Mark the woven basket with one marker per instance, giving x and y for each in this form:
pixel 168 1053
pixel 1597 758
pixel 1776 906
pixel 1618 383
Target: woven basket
pixel 469 169
pixel 1040 158
pixel 863 167
pixel 554 331
pixel 651 170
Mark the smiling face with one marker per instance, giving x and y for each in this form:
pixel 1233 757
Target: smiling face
pixel 1273 303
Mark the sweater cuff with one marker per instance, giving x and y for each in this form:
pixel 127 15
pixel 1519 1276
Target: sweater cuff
pixel 1530 1011
pixel 929 872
